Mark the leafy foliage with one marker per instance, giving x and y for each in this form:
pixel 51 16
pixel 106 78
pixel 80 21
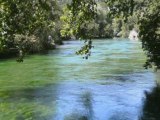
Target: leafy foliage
pixel 150 34
pixel 80 13
pixel 24 18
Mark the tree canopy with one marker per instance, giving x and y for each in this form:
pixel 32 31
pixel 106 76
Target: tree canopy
pixel 25 23
pixel 83 19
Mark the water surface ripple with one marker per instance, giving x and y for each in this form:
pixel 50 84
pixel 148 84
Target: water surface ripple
pixel 59 85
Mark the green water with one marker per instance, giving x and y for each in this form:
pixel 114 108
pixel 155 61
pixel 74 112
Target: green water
pixel 59 85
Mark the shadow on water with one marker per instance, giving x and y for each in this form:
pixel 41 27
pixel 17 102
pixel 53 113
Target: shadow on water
pixel 87 113
pixel 44 94
pixel 28 104
pixel 151 107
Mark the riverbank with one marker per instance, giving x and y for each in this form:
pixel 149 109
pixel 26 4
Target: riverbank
pixel 34 47
pixel 30 49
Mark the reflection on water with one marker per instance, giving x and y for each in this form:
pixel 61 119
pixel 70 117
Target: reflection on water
pixel 87 113
pixel 151 107
pixel 87 102
pixel 27 104
pixel 62 86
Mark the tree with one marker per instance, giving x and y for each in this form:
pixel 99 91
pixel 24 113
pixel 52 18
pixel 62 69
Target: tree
pixel 150 33
pixel 24 18
pixel 80 13
pixel 147 12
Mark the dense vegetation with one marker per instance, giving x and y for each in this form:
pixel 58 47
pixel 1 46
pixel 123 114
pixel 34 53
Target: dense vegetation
pixel 26 25
pixel 142 14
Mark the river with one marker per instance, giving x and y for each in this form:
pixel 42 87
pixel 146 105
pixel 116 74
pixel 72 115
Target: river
pixel 59 85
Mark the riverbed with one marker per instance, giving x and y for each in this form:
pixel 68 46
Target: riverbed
pixel 60 85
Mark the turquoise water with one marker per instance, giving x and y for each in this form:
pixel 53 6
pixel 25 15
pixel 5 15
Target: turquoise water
pixel 59 85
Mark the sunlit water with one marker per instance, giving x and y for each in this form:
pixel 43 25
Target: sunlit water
pixel 59 85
